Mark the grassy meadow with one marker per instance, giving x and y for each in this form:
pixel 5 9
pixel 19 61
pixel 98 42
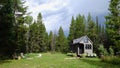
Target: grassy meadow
pixel 57 60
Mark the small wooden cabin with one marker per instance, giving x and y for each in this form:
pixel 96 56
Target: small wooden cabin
pixel 82 45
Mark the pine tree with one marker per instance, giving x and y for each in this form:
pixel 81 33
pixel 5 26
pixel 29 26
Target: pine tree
pixel 16 25
pixel 79 26
pixel 7 20
pixel 92 31
pixel 97 31
pixel 71 35
pixel 52 41
pixel 71 30
pixel 33 38
pixel 61 44
pixel 41 33
pixel 28 21
pixel 46 42
pixel 38 36
pixel 113 24
pixel 99 34
pixel 20 28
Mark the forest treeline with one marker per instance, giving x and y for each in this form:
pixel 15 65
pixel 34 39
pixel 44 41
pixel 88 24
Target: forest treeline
pixel 20 33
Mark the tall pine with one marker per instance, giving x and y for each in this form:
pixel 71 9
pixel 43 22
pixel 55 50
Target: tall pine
pixel 41 33
pixel 19 27
pixel 7 20
pixel 113 24
pixel 92 31
pixel 71 30
pixel 79 26
pixel 61 44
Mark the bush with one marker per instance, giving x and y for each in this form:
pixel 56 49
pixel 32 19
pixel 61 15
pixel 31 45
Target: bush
pixel 102 50
pixel 111 51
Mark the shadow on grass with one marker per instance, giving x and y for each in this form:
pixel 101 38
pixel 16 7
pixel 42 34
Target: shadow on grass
pixel 4 61
pixel 100 64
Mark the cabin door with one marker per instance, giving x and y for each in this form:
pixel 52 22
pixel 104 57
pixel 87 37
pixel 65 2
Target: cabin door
pixel 80 49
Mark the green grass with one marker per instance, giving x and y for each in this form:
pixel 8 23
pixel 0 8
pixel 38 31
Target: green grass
pixel 56 60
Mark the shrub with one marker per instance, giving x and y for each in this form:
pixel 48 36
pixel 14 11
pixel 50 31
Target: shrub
pixel 102 50
pixel 111 51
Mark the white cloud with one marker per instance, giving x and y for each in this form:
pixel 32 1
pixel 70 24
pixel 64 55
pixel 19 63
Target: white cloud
pixel 59 12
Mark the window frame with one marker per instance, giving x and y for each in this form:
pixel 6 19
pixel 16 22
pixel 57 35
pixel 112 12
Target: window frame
pixel 88 46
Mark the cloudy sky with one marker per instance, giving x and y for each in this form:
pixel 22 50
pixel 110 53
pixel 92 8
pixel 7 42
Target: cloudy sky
pixel 58 13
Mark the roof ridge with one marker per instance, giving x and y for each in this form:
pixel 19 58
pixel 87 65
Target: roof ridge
pixel 81 38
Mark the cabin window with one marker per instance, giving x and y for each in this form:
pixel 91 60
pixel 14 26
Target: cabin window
pixel 88 46
pixel 86 40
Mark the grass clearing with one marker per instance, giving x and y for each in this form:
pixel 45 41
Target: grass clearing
pixel 56 60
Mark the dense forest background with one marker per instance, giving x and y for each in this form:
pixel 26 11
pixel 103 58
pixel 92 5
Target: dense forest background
pixel 20 33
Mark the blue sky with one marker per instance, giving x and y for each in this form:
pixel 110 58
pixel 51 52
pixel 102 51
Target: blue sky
pixel 58 13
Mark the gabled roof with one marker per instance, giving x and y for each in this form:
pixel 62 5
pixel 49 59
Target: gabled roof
pixel 78 40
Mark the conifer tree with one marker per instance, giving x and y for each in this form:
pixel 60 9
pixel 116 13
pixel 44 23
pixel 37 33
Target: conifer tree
pixel 51 41
pixel 33 38
pixel 113 24
pixel 91 28
pixel 91 31
pixel 61 44
pixel 79 26
pixel 7 20
pixel 28 21
pixel 41 32
pixel 19 27
pixel 71 30
pixel 46 42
